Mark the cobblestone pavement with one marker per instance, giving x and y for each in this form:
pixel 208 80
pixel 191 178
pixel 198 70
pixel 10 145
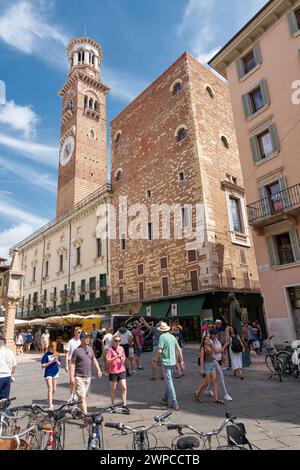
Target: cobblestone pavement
pixel 269 409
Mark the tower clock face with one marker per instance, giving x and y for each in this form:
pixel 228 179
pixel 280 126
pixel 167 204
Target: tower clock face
pixel 67 151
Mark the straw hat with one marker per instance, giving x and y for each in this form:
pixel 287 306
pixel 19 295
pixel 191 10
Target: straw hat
pixel 163 327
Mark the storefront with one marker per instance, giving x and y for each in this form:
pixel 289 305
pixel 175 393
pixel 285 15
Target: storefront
pixel 294 299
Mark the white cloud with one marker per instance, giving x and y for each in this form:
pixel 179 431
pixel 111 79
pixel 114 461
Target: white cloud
pixel 12 212
pixel 208 24
pixel 20 118
pixel 40 153
pixel 124 86
pixel 13 235
pixel 32 176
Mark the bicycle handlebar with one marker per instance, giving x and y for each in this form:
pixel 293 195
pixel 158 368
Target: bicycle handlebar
pixel 118 426
pixel 159 419
pixel 5 402
pixel 123 427
pixel 180 427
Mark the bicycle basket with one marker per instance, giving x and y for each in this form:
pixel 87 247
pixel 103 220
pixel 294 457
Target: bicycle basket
pixel 236 435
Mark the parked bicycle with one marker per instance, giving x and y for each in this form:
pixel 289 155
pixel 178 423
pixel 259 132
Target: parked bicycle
pixel 276 360
pixel 15 442
pixel 235 439
pixel 7 418
pixel 141 434
pixel 94 421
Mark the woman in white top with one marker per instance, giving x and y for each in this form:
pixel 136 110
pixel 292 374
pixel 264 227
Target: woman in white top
pixel 73 344
pixel 19 342
pixel 236 353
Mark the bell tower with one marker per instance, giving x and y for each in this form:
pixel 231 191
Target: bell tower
pixel 83 146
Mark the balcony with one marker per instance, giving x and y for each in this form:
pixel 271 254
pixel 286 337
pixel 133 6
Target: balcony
pixel 85 305
pixel 64 294
pixel 275 208
pixel 82 290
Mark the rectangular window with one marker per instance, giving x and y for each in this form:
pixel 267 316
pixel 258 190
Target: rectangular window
pixel 82 286
pixel 246 280
pixel 149 193
pixel 185 217
pixel 78 256
pixel 121 295
pixel 164 263
pixel 123 242
pixel 141 291
pixel 256 99
pixel 35 299
pixel 265 144
pixel 150 231
pixel 284 248
pixel 297 14
pixel 61 262
pixel 34 274
pixel 249 62
pixel 140 269
pixel 103 280
pixel 236 215
pixel 45 295
pixel 194 281
pixel 121 274
pixel 99 247
pixel 229 281
pixel 274 196
pixel 73 289
pixel 92 284
pixel 294 20
pixel 181 177
pixel 243 257
pixel 165 286
pixel 192 256
pixel 92 296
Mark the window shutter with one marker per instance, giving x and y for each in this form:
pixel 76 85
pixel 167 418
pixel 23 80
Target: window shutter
pixel 293 23
pixel 240 68
pixel 272 251
pixel 285 197
pixel 295 244
pixel 265 92
pixel 264 207
pixel 257 54
pixel 247 105
pixel 255 149
pixel 274 138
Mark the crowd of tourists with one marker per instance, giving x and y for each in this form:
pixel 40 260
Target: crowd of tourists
pixel 118 356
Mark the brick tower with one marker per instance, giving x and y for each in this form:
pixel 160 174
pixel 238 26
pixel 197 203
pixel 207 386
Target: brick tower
pixel 83 147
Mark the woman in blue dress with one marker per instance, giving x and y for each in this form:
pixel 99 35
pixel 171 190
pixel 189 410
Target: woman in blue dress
pixel 51 362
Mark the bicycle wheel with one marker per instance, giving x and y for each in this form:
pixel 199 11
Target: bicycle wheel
pixel 269 361
pixel 286 359
pixel 279 367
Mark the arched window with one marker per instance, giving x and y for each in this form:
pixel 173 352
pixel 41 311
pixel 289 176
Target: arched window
pixel 80 57
pixel 176 88
pixel 86 100
pixel 118 175
pixel 91 103
pixel 210 92
pixel 225 142
pixel 181 134
pixel 118 136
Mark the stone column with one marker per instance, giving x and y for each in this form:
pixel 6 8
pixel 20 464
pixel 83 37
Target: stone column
pixel 75 58
pixel 86 57
pixel 9 323
pixel 96 62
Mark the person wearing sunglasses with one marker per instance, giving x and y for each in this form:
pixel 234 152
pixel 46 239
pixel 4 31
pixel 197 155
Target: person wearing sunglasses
pixel 73 344
pixel 115 361
pixel 83 359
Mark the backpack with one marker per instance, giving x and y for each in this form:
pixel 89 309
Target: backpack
pixel 236 345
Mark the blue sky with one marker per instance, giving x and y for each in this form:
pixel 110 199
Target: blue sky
pixel 140 39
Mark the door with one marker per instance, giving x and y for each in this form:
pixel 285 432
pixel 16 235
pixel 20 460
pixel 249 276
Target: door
pixel 294 296
pixel 165 286
pixel 194 281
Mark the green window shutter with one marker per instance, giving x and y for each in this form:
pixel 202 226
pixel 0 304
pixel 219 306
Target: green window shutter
pixel 257 54
pixel 240 68
pixel 265 92
pixel 272 251
pixel 285 197
pixel 255 149
pixel 264 205
pixel 247 105
pixel 274 138
pixel 293 23
pixel 295 244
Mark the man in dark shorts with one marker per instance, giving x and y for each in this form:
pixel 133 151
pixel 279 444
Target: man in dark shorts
pixel 126 339
pixel 81 369
pixel 115 360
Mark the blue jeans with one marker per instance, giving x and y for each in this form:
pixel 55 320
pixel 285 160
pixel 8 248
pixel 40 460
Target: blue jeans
pixel 5 387
pixel 170 393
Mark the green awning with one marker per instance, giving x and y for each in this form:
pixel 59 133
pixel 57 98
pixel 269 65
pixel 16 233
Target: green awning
pixel 158 309
pixel 189 307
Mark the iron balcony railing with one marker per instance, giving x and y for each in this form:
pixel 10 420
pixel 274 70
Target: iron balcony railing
pixel 278 204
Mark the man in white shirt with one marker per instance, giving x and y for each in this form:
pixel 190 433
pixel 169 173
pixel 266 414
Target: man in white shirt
pixel 217 363
pixel 126 340
pixel 73 344
pixel 8 366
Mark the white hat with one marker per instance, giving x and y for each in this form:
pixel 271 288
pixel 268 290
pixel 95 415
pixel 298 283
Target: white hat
pixel 218 321
pixel 163 327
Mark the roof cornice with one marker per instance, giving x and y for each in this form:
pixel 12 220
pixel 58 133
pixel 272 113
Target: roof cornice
pixel 269 15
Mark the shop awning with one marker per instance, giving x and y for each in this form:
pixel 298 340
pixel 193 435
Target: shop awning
pixel 187 308
pixel 157 309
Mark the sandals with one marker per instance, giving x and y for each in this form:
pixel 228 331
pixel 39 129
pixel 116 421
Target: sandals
pixel 219 402
pixel 197 397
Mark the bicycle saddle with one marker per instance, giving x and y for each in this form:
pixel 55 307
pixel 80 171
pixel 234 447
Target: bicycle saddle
pixel 188 443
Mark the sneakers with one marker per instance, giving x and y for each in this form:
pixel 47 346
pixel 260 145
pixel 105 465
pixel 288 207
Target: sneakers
pixel 175 407
pixel 164 402
pixel 125 409
pixel 113 409
pixel 140 368
pixel 227 397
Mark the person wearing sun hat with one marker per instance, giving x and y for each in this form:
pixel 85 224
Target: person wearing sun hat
pixel 167 348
